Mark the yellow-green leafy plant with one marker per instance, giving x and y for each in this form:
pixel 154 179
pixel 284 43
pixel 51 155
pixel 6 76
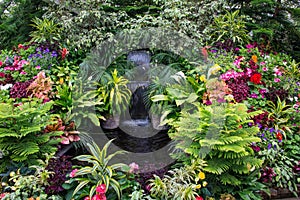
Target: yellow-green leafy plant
pixel 230 26
pixel 46 31
pixel 187 182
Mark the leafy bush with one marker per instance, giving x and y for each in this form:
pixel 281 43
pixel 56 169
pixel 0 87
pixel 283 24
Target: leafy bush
pixel 21 132
pixel 220 135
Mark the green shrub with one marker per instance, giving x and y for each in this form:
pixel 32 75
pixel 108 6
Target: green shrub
pixel 21 132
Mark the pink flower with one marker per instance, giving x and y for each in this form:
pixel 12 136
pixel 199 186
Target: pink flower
pixel 1 63
pixel 276 80
pixel 265 69
pixel 23 72
pixel 99 197
pixel 199 198
pixel 73 173
pixel 2 195
pixel 148 188
pixel 101 189
pixel 133 167
pixel 87 198
pixel 262 63
pixel 277 72
pixel 38 67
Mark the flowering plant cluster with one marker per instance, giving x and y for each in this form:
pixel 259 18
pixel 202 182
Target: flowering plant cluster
pixel 26 70
pixel 267 81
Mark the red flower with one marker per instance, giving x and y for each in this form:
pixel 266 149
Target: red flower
pixel 99 197
pixel 199 198
pixel 64 52
pixel 101 189
pixel 279 136
pixel 256 78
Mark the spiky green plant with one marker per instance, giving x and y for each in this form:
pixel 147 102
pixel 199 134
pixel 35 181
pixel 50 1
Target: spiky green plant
pixel 97 172
pixel 115 93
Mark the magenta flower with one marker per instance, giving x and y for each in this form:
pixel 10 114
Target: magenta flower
pixel 265 69
pixel 254 96
pixel 23 73
pixel 73 173
pixel 250 46
pixel 38 67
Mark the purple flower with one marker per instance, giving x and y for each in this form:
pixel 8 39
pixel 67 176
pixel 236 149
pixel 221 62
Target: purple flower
pixel 272 130
pixel 259 125
pixel 54 54
pixel 269 146
pixel 46 51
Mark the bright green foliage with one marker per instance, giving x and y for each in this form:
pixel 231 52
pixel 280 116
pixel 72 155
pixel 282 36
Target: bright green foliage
pixel 98 172
pixel 230 26
pixel 220 135
pixel 15 19
pixel 115 93
pixel 46 31
pixel 21 136
pixel 182 183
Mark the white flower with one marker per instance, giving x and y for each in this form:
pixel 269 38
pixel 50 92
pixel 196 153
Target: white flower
pixel 6 87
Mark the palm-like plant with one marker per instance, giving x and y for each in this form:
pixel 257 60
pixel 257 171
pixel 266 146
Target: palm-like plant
pixel 98 172
pixel 115 93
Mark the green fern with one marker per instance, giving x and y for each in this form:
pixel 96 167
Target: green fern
pixel 21 136
pixel 218 134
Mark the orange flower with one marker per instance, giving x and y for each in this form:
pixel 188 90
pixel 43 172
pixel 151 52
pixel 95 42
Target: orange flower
pixel 254 58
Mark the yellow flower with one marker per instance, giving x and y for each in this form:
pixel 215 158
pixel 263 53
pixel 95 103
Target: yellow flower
pixel 201 175
pixel 198 186
pixel 11 174
pixel 204 183
pixel 254 58
pixel 202 78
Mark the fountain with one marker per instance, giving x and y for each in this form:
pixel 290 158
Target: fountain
pixel 135 132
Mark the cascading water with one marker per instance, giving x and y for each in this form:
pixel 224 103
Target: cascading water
pixel 135 132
